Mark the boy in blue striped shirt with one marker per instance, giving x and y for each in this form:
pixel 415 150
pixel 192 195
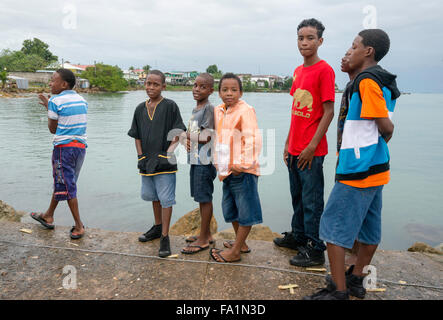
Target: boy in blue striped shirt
pixel 67 118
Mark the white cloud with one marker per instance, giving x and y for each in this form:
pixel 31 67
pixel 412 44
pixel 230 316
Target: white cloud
pixel 237 35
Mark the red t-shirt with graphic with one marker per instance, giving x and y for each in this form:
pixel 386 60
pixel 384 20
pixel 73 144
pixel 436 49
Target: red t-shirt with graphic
pixel 311 87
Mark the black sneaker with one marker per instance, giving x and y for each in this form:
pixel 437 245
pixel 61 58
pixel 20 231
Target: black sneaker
pixel 154 233
pixel 165 248
pixel 288 241
pixel 330 287
pixel 308 257
pixel 353 283
pixel 333 295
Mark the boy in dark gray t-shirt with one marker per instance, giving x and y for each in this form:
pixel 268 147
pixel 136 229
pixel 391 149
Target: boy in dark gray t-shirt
pixel 203 173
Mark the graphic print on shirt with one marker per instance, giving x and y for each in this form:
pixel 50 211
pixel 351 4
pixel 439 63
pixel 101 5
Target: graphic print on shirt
pixel 303 101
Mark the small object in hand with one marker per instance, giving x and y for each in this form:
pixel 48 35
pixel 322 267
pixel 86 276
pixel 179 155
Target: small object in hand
pixel 29 231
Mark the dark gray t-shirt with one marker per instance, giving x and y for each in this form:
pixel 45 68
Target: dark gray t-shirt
pixel 202 121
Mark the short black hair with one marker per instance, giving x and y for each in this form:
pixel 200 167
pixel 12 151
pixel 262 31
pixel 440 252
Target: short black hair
pixel 68 76
pixel 312 23
pixel 230 75
pixel 158 73
pixel 208 77
pixel 377 39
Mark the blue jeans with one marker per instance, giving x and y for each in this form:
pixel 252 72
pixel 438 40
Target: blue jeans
pixel 352 213
pixel 159 187
pixel 307 187
pixel 241 202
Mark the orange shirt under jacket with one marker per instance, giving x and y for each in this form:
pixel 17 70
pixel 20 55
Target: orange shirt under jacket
pixel 238 142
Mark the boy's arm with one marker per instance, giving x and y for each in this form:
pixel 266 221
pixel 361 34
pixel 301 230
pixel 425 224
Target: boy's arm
pixel 138 147
pixel 386 128
pixel 306 156
pixel 374 107
pixel 52 115
pixel 285 151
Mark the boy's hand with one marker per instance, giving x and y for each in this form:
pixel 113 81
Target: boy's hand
pixel 235 172
pixel 305 158
pixel 44 100
pixel 285 155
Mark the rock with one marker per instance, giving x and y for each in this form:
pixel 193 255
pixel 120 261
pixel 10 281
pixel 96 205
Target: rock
pixel 258 232
pixel 8 213
pixel 424 248
pixel 189 224
pixel 439 247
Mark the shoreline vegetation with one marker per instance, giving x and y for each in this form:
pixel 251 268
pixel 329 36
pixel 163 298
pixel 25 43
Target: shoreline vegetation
pixel 25 93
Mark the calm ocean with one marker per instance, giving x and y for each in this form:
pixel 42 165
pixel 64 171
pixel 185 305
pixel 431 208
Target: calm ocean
pixel 109 186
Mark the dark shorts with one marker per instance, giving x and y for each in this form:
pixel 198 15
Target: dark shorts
pixel 241 202
pixel 66 165
pixel 202 182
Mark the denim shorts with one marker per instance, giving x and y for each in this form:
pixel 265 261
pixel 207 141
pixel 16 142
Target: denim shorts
pixel 159 187
pixel 202 182
pixel 352 213
pixel 241 202
pixel 66 165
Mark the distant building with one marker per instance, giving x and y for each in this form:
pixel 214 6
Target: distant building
pixel 183 78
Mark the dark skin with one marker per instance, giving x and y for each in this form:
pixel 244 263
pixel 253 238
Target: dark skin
pixel 308 44
pixel 58 85
pixel 230 93
pixel 154 87
pixel 359 58
pixel 201 91
pixel 352 74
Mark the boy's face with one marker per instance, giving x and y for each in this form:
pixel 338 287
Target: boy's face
pixel 308 41
pixel 345 63
pixel 357 54
pixel 230 92
pixel 154 86
pixel 202 89
pixel 57 84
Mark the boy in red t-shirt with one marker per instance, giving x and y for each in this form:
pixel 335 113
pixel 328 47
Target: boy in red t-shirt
pixel 313 89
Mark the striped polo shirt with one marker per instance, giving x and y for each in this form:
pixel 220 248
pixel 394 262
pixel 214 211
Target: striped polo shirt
pixel 70 109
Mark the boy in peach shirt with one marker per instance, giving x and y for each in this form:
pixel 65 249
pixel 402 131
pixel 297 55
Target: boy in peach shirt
pixel 237 147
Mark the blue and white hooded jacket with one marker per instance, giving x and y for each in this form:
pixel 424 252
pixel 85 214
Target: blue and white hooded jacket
pixel 363 151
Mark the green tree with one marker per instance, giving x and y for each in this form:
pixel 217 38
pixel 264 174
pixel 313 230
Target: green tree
pixel 146 68
pixel 3 77
pixel 212 69
pixel 105 77
pixel 287 84
pixel 19 61
pixel 39 48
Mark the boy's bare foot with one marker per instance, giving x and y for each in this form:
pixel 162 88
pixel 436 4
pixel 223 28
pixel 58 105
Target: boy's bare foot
pixel 196 246
pixel 224 255
pixel 195 238
pixel 77 233
pixel 230 243
pixel 46 222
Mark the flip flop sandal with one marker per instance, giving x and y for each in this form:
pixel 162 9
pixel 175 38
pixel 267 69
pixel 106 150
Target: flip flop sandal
pixel 218 251
pixel 75 236
pixel 194 238
pixel 229 244
pixel 39 218
pixel 200 248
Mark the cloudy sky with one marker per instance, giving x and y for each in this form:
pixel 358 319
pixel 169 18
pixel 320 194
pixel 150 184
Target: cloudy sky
pixel 242 36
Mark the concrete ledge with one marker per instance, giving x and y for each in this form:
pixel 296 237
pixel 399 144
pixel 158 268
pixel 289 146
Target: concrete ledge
pixel 115 265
